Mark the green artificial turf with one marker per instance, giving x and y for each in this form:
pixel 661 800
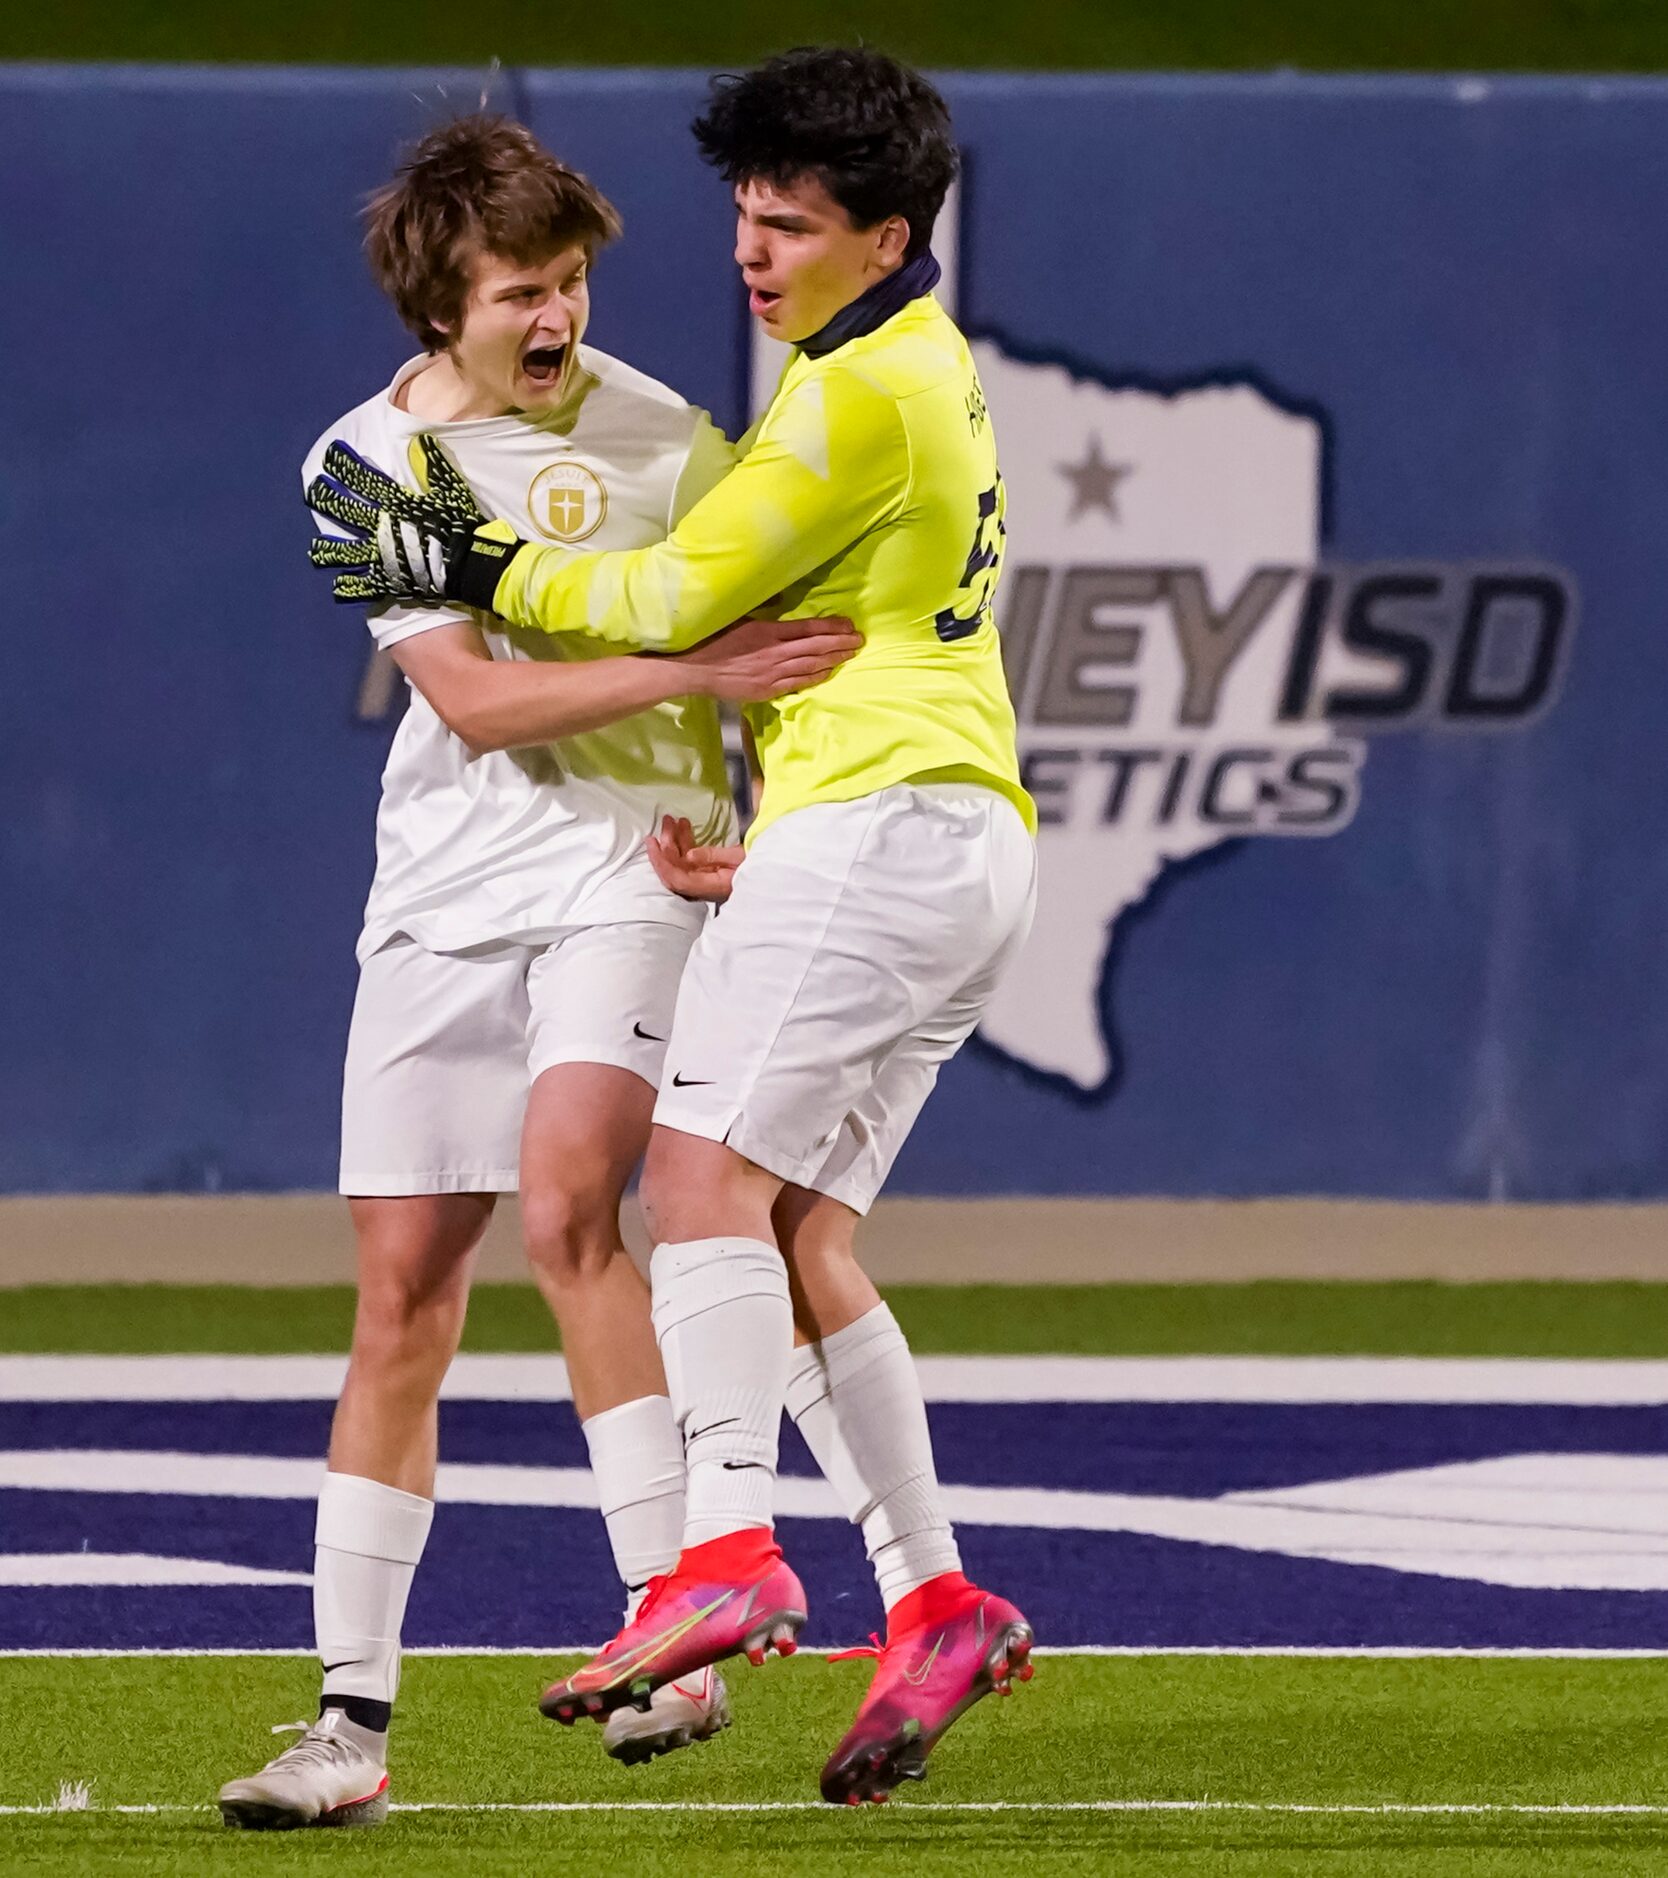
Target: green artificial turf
pixel 1271 1318
pixel 1246 1732
pixel 1587 35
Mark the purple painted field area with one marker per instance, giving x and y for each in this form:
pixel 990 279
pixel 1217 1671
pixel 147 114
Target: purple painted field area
pixel 499 1575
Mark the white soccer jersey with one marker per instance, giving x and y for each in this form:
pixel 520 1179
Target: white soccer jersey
pixel 521 844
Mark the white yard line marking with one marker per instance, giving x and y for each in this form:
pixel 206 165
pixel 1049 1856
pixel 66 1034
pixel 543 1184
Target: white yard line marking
pixel 58 1569
pixel 1314 1379
pixel 271 1477
pixel 1386 1809
pixel 1589 1522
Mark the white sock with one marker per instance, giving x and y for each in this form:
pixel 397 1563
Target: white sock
pixel 857 1401
pixel 725 1328
pixel 367 1542
pixel 637 1458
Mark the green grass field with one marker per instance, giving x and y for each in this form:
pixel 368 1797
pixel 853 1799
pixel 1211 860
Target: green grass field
pixel 1263 1319
pixel 1162 1763
pixel 1413 35
pixel 1174 1764
pixel 1077 1759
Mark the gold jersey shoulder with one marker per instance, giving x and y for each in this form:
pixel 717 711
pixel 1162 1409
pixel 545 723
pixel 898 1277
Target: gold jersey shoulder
pixel 870 491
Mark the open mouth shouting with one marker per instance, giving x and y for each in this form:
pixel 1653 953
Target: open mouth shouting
pixel 543 365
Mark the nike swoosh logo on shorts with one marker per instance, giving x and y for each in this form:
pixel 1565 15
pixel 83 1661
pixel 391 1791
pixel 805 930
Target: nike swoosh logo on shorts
pixel 731 1466
pixel 648 1036
pixel 690 1082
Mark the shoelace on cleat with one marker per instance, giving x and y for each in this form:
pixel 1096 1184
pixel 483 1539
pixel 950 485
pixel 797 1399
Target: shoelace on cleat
pixel 652 1591
pixel 313 1748
pixel 874 1647
pixel 651 1597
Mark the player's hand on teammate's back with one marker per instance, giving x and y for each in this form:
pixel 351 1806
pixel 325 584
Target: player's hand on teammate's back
pixel 692 873
pixel 765 658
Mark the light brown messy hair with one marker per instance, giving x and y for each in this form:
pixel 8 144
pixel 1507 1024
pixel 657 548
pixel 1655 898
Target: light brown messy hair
pixel 480 185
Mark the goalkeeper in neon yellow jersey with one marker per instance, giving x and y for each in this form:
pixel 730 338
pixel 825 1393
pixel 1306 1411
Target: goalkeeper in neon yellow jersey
pixel 871 492
pixel 888 883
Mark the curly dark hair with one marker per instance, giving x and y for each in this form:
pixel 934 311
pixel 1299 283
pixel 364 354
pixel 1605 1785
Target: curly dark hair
pixel 873 132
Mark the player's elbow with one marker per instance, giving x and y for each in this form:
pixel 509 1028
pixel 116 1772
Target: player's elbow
pixel 482 733
pixel 468 713
pixel 481 741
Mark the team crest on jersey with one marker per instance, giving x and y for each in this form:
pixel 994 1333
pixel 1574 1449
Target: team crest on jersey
pixel 567 502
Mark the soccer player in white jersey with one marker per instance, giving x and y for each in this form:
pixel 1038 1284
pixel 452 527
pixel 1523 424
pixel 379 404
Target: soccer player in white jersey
pixel 887 885
pixel 519 960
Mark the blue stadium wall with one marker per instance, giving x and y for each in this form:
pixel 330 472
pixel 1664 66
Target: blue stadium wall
pixel 1434 308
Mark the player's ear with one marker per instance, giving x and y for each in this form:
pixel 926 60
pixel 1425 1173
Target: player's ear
pixel 894 240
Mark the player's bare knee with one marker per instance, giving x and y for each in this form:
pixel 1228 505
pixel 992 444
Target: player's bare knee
pixel 811 1225
pixel 415 1260
pixel 828 1286
pixel 409 1318
pixel 571 1233
pixel 399 1323
pixel 818 1238
pixel 693 1188
pixel 662 1192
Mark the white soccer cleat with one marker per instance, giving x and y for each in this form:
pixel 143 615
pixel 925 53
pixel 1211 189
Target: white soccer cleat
pixel 694 1708
pixel 333 1776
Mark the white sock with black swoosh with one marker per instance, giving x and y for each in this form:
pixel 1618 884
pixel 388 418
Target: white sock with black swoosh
pixel 367 1542
pixel 725 1327
pixel 856 1399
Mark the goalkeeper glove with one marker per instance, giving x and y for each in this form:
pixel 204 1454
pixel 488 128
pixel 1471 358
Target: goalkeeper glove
pixel 422 548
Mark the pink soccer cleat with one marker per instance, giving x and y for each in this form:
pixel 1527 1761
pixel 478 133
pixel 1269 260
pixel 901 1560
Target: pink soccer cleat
pixel 947 1644
pixel 732 1596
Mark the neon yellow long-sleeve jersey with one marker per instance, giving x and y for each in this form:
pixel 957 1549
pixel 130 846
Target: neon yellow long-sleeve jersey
pixel 869 490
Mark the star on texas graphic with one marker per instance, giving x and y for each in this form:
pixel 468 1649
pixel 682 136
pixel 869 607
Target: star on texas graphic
pixel 1094 483
pixel 1217 479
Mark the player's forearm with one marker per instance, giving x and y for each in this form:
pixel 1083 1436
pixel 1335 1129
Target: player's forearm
pixel 777 516
pixel 652 599
pixel 505 705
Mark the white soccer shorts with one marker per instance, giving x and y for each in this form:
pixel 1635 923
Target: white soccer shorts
pixel 858 951
pixel 445 1046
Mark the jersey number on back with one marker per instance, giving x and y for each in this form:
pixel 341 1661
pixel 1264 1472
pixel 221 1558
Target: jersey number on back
pixel 978 577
